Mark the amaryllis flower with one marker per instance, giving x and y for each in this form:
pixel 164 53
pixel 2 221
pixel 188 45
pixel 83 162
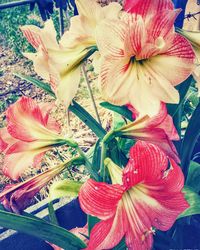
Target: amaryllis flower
pixel 194 38
pixel 158 130
pixel 60 63
pixel 17 197
pixel 145 195
pixel 30 132
pixel 143 57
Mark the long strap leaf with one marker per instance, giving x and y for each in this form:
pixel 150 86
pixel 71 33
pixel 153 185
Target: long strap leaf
pixel 182 89
pixel 191 135
pixel 41 229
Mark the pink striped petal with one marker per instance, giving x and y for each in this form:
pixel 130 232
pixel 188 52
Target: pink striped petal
pixel 41 37
pixel 16 164
pixel 107 234
pixel 139 234
pixel 158 137
pixel 164 121
pixel 100 199
pixel 162 25
pixel 21 146
pixel 150 205
pixel 147 162
pixel 21 115
pixel 147 7
pixel 136 35
pixel 111 45
pixel 5 139
pixel 178 61
pixel 26 121
pixel 139 241
pixel 49 121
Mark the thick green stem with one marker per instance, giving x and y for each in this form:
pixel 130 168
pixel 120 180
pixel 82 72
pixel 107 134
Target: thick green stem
pixel 88 165
pixel 103 156
pixel 91 94
pixel 52 215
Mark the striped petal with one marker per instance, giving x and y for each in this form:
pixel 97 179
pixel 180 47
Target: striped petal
pixel 147 162
pixel 194 38
pixel 100 199
pixel 162 24
pixel 41 37
pixel 177 63
pixel 148 7
pixel 107 234
pixel 26 121
pixel 158 137
pixel 164 121
pixel 15 164
pixel 111 45
pixel 5 139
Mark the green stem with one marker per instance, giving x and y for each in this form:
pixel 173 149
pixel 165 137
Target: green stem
pixel 88 165
pixel 91 94
pixel 109 136
pixel 103 156
pixel 52 215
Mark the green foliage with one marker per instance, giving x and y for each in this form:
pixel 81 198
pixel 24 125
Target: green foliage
pixel 41 229
pixel 189 140
pixel 193 178
pixel 4 104
pixel 64 188
pixel 194 201
pixel 122 110
pixel 11 20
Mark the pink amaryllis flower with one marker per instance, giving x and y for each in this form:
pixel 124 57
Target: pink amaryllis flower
pixel 29 133
pixel 143 57
pixel 158 130
pixel 145 195
pixel 17 197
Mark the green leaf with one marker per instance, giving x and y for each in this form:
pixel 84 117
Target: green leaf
pixel 64 188
pixel 84 116
pixel 191 135
pixel 118 121
pixel 194 200
pixel 193 178
pixel 125 145
pixel 122 110
pixel 46 87
pixel 96 160
pixel 92 221
pixel 182 89
pixel 121 245
pixel 52 214
pixel 41 229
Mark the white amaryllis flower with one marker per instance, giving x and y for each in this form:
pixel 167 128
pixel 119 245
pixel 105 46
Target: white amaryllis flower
pixel 194 38
pixel 60 62
pixel 143 57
